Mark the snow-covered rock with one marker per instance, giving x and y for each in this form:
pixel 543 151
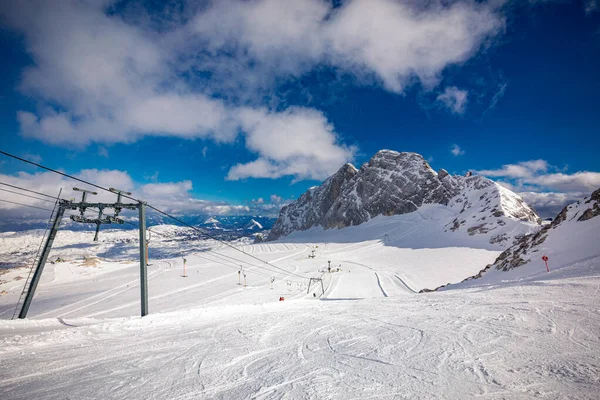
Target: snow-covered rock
pixel 252 225
pixel 211 220
pixel 570 238
pixel 393 183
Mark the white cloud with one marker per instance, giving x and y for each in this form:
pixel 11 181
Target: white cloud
pixel 276 199
pixel 525 169
pixel 536 173
pixel 99 77
pixel 393 41
pixel 497 96
pixel 174 197
pixel 456 150
pixel 166 190
pixel 454 99
pixel 543 186
pixel 298 142
pixel 579 181
pixel 549 204
pixel 270 207
pixel 220 209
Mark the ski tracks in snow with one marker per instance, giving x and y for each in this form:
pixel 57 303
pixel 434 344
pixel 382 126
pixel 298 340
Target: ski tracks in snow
pixel 425 346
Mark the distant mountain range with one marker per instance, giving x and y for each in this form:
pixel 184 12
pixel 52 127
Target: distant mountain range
pixel 224 227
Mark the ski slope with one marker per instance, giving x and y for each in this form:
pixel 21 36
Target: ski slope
pixel 368 334
pixel 531 341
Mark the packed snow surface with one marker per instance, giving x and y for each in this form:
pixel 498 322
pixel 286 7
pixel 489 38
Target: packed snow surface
pixel 369 335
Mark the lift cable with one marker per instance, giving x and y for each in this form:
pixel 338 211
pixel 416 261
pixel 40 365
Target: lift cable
pixel 25 205
pixel 26 195
pixel 29 205
pixel 223 258
pixel 28 190
pixel 153 208
pixel 224 242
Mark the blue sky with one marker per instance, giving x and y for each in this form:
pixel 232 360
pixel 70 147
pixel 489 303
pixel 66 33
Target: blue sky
pixel 237 107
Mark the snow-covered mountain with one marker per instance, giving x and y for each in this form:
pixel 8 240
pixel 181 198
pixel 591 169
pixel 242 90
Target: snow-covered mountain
pixel 570 241
pixel 393 183
pixel 253 225
pixel 211 221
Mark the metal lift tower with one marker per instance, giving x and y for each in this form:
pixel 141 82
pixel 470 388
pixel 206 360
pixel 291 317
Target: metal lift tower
pixel 82 206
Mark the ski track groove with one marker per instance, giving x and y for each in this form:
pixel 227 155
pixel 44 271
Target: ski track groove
pixel 380 287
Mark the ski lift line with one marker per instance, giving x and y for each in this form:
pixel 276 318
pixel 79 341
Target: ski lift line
pixel 31 206
pixel 236 259
pixel 232 266
pixel 222 241
pixel 254 265
pixel 149 206
pixel 26 195
pixel 223 256
pixel 28 190
pixel 25 205
pixel 236 266
pixel 153 232
pixel 62 173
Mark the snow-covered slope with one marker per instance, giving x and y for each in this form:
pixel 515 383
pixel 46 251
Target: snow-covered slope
pixel 570 242
pixel 393 183
pixel 371 336
pixel 19 248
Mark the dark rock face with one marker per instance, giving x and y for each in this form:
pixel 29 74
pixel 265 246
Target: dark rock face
pixel 594 211
pixel 311 207
pixel 390 183
pixel 393 183
pixel 442 173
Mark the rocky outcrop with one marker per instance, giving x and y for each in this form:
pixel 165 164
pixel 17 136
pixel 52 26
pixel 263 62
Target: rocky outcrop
pixel 310 209
pixel 390 183
pixel 521 252
pixel 594 207
pixel 398 183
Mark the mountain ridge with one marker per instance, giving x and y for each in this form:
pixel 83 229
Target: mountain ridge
pixel 393 183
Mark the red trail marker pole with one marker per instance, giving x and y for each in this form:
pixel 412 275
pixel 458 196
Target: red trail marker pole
pixel 545 258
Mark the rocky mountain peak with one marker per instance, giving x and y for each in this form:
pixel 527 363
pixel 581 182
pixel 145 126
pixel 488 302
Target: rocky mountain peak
pixel 398 183
pixel 391 160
